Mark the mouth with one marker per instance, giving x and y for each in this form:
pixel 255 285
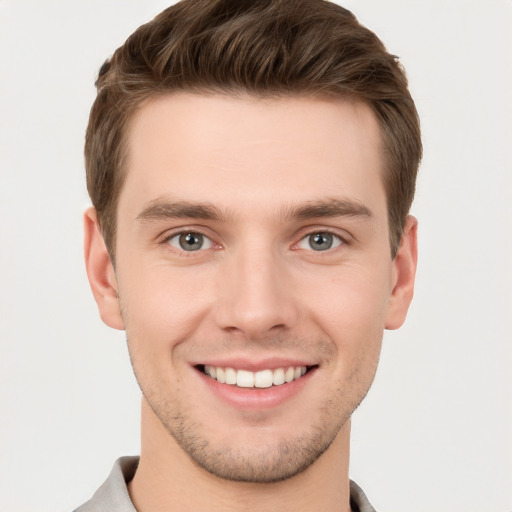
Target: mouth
pixel 261 379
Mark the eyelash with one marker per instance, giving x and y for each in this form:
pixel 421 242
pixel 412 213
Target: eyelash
pixel 182 252
pixel 342 240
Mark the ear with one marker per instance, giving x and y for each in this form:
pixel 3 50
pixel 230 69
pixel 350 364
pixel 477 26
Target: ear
pixel 100 272
pixel 404 271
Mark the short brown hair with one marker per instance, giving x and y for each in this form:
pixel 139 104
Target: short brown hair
pixel 264 48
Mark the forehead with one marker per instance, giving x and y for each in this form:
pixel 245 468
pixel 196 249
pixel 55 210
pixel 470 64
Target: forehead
pixel 220 148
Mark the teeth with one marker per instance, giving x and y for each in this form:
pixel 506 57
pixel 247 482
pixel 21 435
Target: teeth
pixel 230 376
pixel 261 379
pixel 221 375
pixel 244 379
pixel 289 374
pixel 278 377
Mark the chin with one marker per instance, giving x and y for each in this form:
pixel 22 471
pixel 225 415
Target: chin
pixel 253 456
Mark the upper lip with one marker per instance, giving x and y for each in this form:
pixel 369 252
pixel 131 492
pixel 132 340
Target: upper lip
pixel 254 365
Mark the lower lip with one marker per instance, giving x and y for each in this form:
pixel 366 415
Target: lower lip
pixel 256 398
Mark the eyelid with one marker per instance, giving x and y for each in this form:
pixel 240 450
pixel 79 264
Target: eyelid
pixel 164 238
pixel 207 242
pixel 183 230
pixel 343 236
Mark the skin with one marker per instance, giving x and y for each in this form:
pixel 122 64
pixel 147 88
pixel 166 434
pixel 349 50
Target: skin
pixel 258 292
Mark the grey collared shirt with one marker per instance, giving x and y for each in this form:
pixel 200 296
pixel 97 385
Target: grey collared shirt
pixel 113 495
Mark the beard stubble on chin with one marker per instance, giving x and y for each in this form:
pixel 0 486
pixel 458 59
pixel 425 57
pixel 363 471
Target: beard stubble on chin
pixel 265 461
pixel 257 464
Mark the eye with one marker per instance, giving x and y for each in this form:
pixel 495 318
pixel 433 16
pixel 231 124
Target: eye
pixel 190 241
pixel 320 241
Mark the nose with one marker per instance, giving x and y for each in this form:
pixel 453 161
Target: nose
pixel 257 296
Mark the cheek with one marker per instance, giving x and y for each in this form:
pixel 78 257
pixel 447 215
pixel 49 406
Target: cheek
pixel 350 309
pixel 161 308
pixel 353 300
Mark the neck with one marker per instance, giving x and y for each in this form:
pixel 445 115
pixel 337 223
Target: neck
pixel 168 480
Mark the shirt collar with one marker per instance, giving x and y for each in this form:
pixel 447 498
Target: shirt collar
pixel 113 495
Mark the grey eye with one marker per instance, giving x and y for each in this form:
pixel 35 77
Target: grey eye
pixel 320 241
pixel 190 241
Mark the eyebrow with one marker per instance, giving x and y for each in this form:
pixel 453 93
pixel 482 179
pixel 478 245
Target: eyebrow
pixel 328 208
pixel 160 209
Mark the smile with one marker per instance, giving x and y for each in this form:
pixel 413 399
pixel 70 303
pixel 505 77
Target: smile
pixel 259 379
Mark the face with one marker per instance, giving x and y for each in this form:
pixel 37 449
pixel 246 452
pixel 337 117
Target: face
pixel 253 274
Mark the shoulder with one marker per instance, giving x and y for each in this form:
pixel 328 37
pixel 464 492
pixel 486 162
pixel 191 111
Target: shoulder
pixel 113 495
pixel 358 500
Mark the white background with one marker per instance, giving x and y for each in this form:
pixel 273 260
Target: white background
pixel 435 432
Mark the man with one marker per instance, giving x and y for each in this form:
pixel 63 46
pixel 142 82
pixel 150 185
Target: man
pixel 251 167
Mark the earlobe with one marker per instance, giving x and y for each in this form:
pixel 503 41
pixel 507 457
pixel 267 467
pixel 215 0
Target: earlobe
pixel 404 272
pixel 100 272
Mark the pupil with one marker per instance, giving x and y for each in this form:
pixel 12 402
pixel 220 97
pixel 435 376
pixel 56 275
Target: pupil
pixel 191 241
pixel 321 241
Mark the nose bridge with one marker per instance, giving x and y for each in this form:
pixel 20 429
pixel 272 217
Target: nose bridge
pixel 256 292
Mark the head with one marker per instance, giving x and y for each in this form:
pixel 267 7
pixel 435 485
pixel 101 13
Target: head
pixel 251 166
pixel 266 49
